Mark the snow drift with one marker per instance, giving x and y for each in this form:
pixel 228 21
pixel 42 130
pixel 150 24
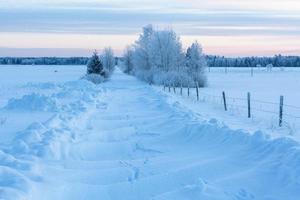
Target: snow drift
pixel 32 102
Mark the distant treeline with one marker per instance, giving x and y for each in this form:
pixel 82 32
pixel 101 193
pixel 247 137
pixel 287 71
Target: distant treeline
pixel 276 61
pixel 212 61
pixel 43 61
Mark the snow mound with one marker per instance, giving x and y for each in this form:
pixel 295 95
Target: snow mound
pixel 81 89
pixel 42 140
pixel 13 184
pixel 9 160
pixel 50 139
pixel 94 78
pixel 32 102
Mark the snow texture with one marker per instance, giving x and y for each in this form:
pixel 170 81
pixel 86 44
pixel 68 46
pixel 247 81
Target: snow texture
pixel 125 140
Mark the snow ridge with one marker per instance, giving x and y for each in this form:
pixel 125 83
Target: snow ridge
pixel 48 140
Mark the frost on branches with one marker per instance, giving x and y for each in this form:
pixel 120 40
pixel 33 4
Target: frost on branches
pixel 127 64
pixel 108 61
pixel 196 64
pixel 157 57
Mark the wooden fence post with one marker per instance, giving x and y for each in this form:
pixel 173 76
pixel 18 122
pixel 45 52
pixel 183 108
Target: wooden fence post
pixel 249 105
pixel 224 100
pixel 280 111
pixel 197 91
pixel 164 87
pixel 174 89
pixel 251 71
pixel 188 90
pixel 169 88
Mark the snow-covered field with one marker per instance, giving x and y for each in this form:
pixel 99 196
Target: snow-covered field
pixel 65 138
pixel 265 89
pixel 17 82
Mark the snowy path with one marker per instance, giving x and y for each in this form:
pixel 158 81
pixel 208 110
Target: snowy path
pixel 124 141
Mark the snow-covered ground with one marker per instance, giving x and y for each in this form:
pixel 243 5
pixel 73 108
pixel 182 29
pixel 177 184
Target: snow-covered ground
pixel 17 82
pixel 65 138
pixel 265 89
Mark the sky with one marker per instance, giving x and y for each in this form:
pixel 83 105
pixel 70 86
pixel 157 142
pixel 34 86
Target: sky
pixel 77 27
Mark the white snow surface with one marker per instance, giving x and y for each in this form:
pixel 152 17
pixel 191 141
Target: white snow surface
pixel 265 89
pixel 124 139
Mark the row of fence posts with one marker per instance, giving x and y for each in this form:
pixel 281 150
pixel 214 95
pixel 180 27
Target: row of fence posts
pixel 225 102
pixel 249 106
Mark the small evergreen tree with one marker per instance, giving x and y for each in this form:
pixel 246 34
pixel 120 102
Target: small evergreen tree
pixel 95 65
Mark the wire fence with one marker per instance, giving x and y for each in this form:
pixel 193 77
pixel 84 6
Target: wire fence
pixel 278 114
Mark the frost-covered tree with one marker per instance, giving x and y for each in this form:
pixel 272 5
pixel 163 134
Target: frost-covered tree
pixel 143 54
pixel 196 64
pixel 158 57
pixel 128 60
pixel 168 59
pixel 108 61
pixel 156 53
pixel 167 50
pixel 95 65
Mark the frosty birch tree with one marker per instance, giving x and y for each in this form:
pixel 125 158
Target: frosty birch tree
pixel 196 64
pixel 128 60
pixel 167 50
pixel 142 57
pixel 108 61
pixel 157 57
pixel 168 59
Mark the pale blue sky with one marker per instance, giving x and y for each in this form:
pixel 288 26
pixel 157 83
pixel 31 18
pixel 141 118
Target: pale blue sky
pixel 75 27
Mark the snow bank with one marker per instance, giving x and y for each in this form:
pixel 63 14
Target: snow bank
pixel 41 141
pixel 94 78
pixel 51 138
pixel 64 94
pixel 13 183
pixel 82 90
pixel 32 102
pixel 45 140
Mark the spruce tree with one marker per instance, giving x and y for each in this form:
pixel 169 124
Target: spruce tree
pixel 95 65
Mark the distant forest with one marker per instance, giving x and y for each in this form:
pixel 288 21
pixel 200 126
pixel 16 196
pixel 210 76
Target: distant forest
pixel 43 61
pixel 276 61
pixel 212 61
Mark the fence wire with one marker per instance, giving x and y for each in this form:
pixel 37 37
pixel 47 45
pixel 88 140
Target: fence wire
pixel 291 113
